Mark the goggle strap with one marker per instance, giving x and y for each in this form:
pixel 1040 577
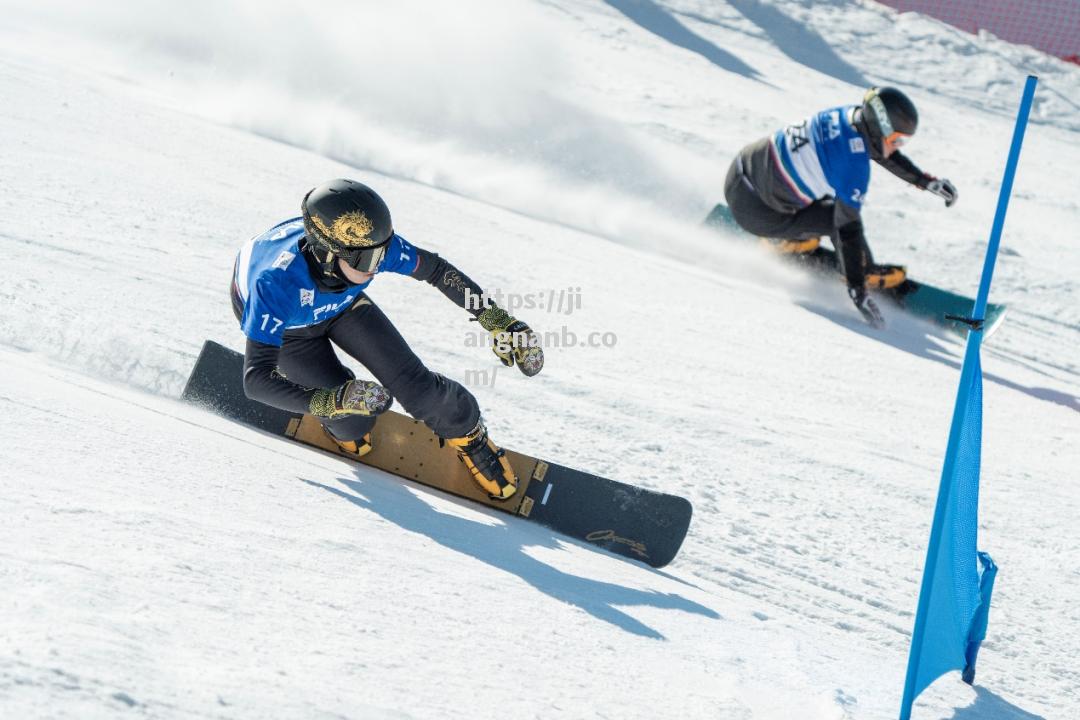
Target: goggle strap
pixel 880 113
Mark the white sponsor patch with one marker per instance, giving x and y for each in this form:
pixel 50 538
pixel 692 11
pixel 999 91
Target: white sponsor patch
pixel 307 297
pixel 283 260
pixel 857 145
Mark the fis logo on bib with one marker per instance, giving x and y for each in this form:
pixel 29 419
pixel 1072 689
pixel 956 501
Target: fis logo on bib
pixel 307 297
pixel 332 307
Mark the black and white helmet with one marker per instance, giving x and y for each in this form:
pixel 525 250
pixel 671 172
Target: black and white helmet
pixel 887 115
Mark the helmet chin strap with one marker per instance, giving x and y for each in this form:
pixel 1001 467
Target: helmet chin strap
pixel 323 270
pixel 329 267
pixel 332 269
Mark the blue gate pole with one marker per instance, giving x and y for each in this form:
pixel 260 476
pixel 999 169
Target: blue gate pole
pixel 970 359
pixel 1003 198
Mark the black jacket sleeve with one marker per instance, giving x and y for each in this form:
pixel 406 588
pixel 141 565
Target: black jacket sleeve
pixel 264 383
pixel 902 167
pixel 853 249
pixel 450 281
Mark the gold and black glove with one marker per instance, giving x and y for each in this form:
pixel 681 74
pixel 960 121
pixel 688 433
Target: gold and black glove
pixel 355 397
pixel 514 341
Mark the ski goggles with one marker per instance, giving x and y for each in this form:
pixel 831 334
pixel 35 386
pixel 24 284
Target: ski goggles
pixel 896 139
pixel 893 141
pixel 890 137
pixel 364 259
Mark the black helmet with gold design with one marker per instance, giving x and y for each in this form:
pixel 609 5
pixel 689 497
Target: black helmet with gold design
pixel 348 220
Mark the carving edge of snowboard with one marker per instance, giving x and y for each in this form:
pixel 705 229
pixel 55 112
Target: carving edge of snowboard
pixel 823 261
pixel 906 296
pixel 623 519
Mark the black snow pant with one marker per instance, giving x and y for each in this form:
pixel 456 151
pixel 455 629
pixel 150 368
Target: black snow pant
pixel 816 220
pixel 367 335
pixel 757 218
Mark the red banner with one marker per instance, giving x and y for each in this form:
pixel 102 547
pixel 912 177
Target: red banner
pixel 1052 26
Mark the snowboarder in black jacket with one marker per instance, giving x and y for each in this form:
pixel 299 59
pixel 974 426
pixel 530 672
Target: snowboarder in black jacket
pixel 299 287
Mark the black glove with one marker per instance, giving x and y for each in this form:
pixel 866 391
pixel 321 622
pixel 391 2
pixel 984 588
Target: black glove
pixel 355 397
pixel 943 189
pixel 514 341
pixel 866 305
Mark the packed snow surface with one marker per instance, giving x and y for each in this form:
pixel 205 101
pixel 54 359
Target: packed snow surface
pixel 159 561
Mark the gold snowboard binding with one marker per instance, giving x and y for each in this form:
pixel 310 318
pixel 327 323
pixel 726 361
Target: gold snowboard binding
pixel 883 277
pixel 353 448
pixel 792 247
pixel 487 463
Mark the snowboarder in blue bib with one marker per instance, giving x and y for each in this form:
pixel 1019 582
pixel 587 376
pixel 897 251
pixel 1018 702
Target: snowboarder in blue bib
pixel 299 287
pixel 810 179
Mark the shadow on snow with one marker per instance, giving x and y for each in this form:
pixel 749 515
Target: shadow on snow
pixel 988 706
pixel 664 25
pixel 503 546
pixel 917 338
pixel 798 42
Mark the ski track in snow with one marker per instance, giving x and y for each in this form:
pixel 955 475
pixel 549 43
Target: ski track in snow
pixel 168 563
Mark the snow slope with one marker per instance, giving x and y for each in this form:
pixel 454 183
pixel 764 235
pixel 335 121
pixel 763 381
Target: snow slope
pixel 159 561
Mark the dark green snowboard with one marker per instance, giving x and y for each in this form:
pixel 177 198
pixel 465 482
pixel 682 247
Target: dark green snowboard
pixel 913 297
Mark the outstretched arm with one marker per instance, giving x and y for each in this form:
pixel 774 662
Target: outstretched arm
pixel 515 342
pixel 902 167
pixel 451 282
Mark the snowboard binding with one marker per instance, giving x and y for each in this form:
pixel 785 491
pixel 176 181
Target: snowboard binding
pixel 885 277
pixel 486 462
pixel 353 448
pixel 792 247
